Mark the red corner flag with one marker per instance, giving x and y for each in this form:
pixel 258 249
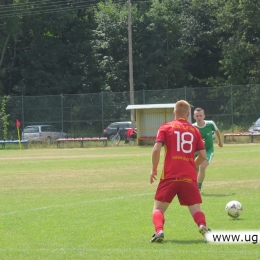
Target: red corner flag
pixel 17 123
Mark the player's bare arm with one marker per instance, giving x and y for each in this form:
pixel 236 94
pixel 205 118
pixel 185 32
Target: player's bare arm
pixel 220 143
pixel 156 152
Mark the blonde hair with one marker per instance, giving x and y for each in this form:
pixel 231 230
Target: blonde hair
pixel 182 108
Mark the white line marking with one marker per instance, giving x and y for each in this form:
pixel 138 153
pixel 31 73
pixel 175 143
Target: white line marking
pixel 73 204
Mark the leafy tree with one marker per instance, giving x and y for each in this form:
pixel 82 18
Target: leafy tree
pixel 111 46
pixel 239 25
pixel 56 51
pixel 201 41
pixel 85 49
pixel 10 31
pixel 158 53
pixel 4 117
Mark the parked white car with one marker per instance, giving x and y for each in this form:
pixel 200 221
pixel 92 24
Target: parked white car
pixel 42 133
pixel 255 127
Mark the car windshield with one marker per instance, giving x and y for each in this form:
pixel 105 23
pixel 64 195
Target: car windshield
pixel 258 121
pixel 121 125
pixel 33 129
pixel 48 128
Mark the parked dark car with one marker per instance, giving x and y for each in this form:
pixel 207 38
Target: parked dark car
pixel 255 127
pixel 111 130
pixel 42 133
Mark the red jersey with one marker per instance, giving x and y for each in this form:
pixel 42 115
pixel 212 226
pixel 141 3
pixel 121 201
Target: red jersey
pixel 181 140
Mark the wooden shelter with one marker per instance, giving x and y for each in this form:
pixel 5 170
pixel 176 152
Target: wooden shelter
pixel 148 119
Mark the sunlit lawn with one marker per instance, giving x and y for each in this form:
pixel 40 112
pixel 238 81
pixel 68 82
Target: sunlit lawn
pixel 96 203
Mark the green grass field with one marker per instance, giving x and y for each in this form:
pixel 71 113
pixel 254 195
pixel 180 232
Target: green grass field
pixel 96 203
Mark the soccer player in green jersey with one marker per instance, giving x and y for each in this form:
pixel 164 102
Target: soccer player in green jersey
pixel 206 128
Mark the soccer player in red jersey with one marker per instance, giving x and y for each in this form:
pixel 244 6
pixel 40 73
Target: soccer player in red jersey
pixel 179 177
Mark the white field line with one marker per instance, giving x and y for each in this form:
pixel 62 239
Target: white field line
pixel 209 184
pixel 74 204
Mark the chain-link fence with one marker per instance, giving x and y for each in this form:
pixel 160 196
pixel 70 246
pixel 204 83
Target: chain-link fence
pixel 233 108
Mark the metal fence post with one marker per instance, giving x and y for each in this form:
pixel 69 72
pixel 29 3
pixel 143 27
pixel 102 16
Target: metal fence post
pixel 61 97
pixel 102 110
pixel 232 109
pixel 22 114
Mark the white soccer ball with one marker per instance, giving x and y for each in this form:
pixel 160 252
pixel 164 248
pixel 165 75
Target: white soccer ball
pixel 234 208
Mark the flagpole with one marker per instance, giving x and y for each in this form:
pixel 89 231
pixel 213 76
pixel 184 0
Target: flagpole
pixel 18 132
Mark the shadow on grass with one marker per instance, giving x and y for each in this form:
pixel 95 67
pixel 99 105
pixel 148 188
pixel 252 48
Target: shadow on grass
pixel 183 242
pixel 216 195
pixel 237 219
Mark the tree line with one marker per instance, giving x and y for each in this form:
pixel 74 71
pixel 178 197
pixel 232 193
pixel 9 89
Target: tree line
pixel 81 46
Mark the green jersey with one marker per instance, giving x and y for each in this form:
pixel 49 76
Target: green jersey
pixel 206 132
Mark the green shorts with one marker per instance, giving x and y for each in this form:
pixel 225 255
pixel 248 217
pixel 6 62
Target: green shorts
pixel 209 156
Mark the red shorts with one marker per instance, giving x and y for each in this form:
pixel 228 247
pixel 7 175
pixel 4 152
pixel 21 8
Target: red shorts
pixel 186 189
